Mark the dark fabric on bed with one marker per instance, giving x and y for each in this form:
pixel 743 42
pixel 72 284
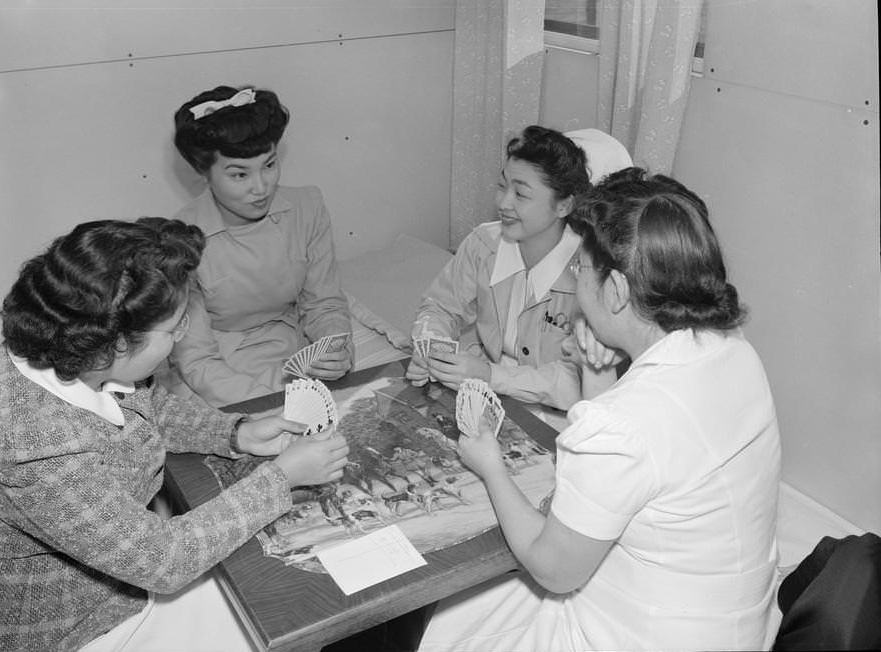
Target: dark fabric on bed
pixel 832 601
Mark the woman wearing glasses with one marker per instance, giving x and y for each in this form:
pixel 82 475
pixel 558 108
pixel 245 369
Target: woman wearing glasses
pixel 660 534
pixel 83 444
pixel 508 294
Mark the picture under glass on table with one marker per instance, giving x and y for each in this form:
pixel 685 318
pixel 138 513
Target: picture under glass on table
pixel 403 469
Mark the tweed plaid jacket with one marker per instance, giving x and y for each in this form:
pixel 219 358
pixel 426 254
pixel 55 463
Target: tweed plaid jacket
pixel 78 547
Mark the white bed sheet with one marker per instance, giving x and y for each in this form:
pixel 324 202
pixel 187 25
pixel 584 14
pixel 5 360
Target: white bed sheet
pixel 384 289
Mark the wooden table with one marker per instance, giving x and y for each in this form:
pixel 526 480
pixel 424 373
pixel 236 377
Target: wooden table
pixel 284 608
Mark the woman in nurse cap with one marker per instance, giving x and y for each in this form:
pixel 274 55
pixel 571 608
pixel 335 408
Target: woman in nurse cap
pixel 508 295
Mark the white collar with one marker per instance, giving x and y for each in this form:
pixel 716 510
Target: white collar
pixel 683 346
pixel 509 261
pixel 76 392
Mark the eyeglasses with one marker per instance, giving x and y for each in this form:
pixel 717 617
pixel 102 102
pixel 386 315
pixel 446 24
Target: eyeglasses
pixel 178 331
pixel 576 266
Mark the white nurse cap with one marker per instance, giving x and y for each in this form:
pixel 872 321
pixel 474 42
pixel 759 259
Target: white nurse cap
pixel 605 154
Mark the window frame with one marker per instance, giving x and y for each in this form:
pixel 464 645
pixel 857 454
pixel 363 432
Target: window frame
pixel 571 42
pixel 591 45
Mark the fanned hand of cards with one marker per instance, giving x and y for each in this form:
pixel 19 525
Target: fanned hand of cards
pixel 298 364
pixel 309 401
pixel 478 406
pixel 430 344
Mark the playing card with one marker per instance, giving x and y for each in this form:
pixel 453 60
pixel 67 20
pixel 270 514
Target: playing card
pixel 463 416
pixel 336 342
pixel 442 345
pixel 493 415
pixel 477 405
pixel 419 346
pixel 309 401
pixel 298 364
pixel 422 338
pixel 292 368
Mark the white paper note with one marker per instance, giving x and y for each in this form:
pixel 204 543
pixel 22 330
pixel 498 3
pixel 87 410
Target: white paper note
pixel 370 559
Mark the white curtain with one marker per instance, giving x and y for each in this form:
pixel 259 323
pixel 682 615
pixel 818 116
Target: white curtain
pixel 646 49
pixel 498 57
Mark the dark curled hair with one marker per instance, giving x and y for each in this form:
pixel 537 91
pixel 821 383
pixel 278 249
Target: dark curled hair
pixel 562 163
pixel 104 282
pixel 233 131
pixel 657 233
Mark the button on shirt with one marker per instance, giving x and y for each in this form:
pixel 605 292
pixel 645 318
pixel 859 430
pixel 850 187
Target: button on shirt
pixel 530 285
pixel 470 300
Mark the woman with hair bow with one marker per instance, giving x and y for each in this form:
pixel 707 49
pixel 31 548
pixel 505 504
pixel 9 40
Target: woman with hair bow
pixel 268 282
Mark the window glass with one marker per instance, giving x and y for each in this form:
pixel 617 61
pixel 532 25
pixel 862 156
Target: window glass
pixel 572 17
pixel 579 18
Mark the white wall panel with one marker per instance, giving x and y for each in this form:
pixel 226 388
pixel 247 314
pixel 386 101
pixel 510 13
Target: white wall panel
pixel 41 33
pixel 781 138
pixel 792 186
pixel 371 125
pixel 821 49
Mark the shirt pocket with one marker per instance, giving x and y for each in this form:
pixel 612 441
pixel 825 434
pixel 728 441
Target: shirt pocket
pixel 557 316
pixel 559 313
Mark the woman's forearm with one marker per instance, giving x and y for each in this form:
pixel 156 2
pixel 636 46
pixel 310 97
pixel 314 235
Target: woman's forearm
pixel 558 558
pixel 521 523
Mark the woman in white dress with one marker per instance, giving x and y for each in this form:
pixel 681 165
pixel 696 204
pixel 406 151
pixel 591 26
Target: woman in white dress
pixel 660 532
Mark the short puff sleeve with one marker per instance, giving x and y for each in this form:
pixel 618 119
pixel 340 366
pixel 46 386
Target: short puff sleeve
pixel 605 473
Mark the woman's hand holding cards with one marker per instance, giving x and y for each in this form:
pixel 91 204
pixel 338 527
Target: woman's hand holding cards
pixel 479 417
pixel 309 461
pixel 453 368
pixel 417 370
pixel 327 359
pixel 320 456
pixel 331 365
pixel 437 358
pixel 334 359
pixel 267 436
pixel 481 452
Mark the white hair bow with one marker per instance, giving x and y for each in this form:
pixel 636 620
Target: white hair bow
pixel 243 97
